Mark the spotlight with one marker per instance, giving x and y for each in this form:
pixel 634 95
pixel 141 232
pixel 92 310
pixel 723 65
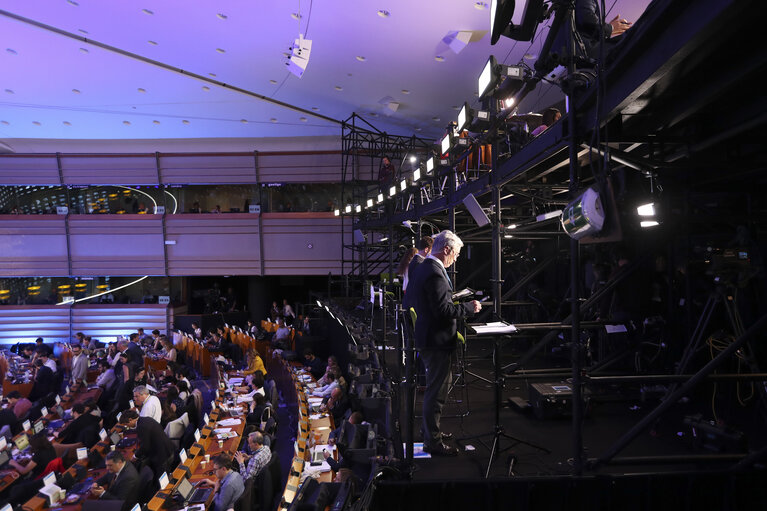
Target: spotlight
pixel 648 223
pixel 392 191
pixel 358 208
pixel 413 159
pixel 514 21
pixel 416 175
pixel 348 208
pixel 508 102
pixel 430 165
pixel 646 209
pixel 370 203
pixel 584 216
pixel 380 198
pixel 403 185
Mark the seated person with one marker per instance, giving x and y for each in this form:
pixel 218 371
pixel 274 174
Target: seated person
pixel 170 352
pixel 83 429
pixel 19 405
pixel 326 390
pixel 106 377
pixel 42 454
pixel 337 405
pixel 355 418
pixel 314 364
pixel 261 454
pixel 550 116
pixel 257 408
pixel 253 385
pixel 228 485
pixel 121 481
pixel 281 337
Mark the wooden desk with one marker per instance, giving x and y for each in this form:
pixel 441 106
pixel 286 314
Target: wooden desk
pixel 7 478
pixel 23 388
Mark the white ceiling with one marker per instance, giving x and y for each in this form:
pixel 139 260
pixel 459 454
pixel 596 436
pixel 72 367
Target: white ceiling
pixel 53 86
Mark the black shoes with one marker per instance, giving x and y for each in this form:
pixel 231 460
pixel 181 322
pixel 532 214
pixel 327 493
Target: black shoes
pixel 440 450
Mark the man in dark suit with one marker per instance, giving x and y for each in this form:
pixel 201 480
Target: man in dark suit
pixel 154 445
pixel 423 246
pixel 436 332
pixel 45 381
pixel 83 429
pixel 122 480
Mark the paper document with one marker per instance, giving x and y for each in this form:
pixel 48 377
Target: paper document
pixel 497 327
pixel 230 422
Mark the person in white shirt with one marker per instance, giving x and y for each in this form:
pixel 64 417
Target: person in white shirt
pixel 287 311
pixel 149 404
pixel 43 355
pixel 106 375
pixel 326 390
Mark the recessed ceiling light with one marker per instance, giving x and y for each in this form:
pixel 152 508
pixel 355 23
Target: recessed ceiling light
pixel 418 129
pixel 360 58
pixel 67 123
pixel 206 88
pixel 338 87
pixel 273 82
pixel 84 50
pixel 36 123
pixel 295 15
pixel 222 16
pixel 405 91
pixel 384 13
pixel 147 11
pixel 141 90
pixel 244 121
pixel 220 50
pixel 480 5
pixel 439 58
pixel 153 43
pixel 76 91
pixel 5 123
pixel 435 119
pixel 212 74
pixel 72 2
pixel 273 119
pixel 82 30
pixel 11 51
pixel 314 108
pixel 9 91
pixel 185 121
pixel 302 119
pixel 127 123
pixel 156 122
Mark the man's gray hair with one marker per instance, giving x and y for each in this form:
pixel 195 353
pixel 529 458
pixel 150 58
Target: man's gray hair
pixel 446 239
pixel 257 437
pixel 141 390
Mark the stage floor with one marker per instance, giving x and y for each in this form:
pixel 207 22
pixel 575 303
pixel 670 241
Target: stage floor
pixel 608 417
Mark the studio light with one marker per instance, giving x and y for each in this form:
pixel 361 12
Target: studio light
pixel 487 78
pixel 468 118
pixel 413 159
pixel 585 216
pixel 445 144
pixel 646 209
pixel 515 20
pixel 430 165
pixel 348 208
pixel 416 175
pixel 370 203
pixel 392 191
pixel 358 208
pixel 403 185
pixel 380 198
pixel 648 223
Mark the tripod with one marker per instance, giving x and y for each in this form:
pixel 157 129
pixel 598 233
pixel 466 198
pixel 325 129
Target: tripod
pixel 498 432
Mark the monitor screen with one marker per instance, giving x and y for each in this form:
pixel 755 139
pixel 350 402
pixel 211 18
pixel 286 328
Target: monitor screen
pixel 39 426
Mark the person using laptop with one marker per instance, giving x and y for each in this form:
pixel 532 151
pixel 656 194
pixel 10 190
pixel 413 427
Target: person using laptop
pixel 228 487
pixel 121 479
pixel 256 461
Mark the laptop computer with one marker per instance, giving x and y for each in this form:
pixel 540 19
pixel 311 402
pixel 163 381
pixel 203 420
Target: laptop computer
pixel 4 458
pixel 192 495
pixel 317 457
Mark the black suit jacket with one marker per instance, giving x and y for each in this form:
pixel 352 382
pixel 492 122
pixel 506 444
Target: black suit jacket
pixel 407 302
pixel 45 383
pixel 154 444
pixel 78 429
pixel 436 326
pixel 124 487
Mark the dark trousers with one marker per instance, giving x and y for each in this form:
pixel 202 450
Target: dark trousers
pixel 438 379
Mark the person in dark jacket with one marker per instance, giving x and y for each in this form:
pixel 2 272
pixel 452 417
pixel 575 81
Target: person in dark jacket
pixel 154 445
pixel 45 381
pixel 81 429
pixel 121 479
